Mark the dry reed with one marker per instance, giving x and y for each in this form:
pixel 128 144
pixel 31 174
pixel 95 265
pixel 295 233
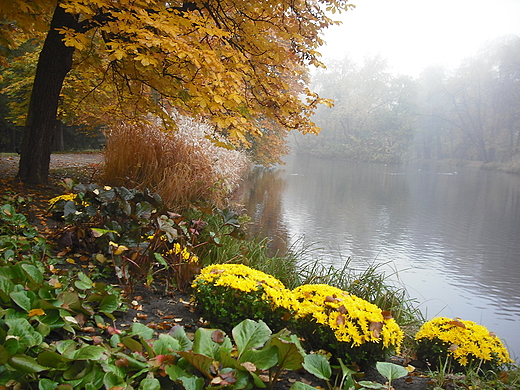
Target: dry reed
pixel 182 166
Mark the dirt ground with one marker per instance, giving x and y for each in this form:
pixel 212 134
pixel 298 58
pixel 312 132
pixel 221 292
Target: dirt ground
pixel 158 309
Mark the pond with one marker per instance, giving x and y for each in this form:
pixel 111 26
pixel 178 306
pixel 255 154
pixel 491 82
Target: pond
pixel 449 234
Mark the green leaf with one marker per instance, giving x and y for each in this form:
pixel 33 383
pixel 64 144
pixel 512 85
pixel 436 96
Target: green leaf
pixel 22 330
pixel 185 344
pixel 200 362
pixel 250 334
pixel 4 355
pixel 204 343
pixel 143 210
pixel 26 364
pixel 318 365
pixel 34 274
pixel 142 331
pixel 6 287
pixel 263 359
pixel 47 384
pixel 301 386
pixel 161 260
pixel 90 352
pixel 371 385
pixel 391 371
pixel 192 383
pixel 53 359
pixel 22 299
pixel 109 304
pixel 290 352
pixel 150 383
pixel 175 372
pixel 165 345
pixel 84 282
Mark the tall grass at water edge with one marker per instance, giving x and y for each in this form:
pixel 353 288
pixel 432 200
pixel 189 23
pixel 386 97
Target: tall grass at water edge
pixel 183 166
pixel 302 264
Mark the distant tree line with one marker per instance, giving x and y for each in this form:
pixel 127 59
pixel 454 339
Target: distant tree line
pixel 470 113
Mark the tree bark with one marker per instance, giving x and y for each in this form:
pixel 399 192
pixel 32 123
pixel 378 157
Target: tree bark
pixel 54 63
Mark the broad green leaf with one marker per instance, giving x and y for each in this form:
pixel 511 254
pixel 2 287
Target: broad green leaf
pixel 109 304
pixel 22 330
pixel 90 352
pixel 192 383
pixel 290 352
pixel 204 342
pixel 371 385
pixel 200 362
pixel 175 372
pixel 318 365
pixel 143 210
pixel 301 386
pixel 6 286
pixel 26 364
pixel 250 334
pixel 22 299
pixel 34 274
pixel 391 371
pixel 47 384
pixel 263 359
pixel 53 359
pixel 142 331
pixel 132 344
pixel 180 335
pixel 4 355
pixel 84 282
pixel 165 345
pixel 150 383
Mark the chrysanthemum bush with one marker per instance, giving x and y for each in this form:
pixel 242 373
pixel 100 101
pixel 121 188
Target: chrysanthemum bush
pixel 460 344
pixel 326 317
pixel 230 293
pixel 349 327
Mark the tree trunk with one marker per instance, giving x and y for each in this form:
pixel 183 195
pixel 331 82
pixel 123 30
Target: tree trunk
pixel 54 63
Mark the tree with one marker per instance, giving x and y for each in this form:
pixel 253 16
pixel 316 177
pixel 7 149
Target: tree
pixel 226 59
pixel 372 116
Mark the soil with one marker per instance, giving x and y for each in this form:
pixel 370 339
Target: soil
pixel 159 309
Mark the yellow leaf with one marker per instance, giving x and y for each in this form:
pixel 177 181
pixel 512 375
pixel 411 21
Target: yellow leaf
pixel 36 312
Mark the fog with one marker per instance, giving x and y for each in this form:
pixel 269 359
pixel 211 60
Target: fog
pixel 414 34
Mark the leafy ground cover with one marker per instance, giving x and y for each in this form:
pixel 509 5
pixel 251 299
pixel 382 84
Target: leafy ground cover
pixel 161 308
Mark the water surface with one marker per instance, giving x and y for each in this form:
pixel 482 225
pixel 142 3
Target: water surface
pixel 451 233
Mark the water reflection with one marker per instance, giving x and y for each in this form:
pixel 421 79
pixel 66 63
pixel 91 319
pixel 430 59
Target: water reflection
pixel 452 233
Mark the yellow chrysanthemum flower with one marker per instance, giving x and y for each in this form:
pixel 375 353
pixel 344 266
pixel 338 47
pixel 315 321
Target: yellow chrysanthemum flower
pixel 352 319
pixel 65 197
pixel 466 339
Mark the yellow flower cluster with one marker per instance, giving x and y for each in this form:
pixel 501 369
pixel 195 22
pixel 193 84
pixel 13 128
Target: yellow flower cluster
pixel 65 197
pixel 243 278
pixel 353 320
pixel 465 338
pixel 183 252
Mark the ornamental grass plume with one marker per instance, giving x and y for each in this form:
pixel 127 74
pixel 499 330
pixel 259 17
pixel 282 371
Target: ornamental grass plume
pixel 461 344
pixel 347 326
pixel 227 294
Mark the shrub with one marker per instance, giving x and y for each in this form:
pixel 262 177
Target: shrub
pixel 461 344
pixel 183 166
pixel 327 317
pixel 230 293
pixel 343 324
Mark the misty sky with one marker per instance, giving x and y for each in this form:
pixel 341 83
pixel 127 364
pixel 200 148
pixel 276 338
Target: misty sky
pixel 413 34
